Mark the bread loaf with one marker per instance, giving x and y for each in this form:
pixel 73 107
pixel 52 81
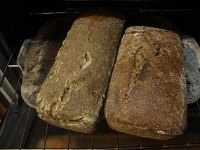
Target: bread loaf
pixel 38 55
pixel 72 95
pixel 147 94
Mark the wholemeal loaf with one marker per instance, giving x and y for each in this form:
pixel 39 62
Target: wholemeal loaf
pixel 147 94
pixel 37 55
pixel 71 96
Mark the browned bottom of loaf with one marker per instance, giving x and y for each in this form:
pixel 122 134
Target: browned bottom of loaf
pixel 138 131
pixel 75 125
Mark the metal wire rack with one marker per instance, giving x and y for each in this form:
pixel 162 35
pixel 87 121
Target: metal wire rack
pixel 23 129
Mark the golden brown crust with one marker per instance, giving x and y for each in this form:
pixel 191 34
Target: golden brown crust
pixel 73 92
pixel 146 94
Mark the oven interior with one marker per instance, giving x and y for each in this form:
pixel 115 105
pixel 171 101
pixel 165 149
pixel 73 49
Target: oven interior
pixel 21 128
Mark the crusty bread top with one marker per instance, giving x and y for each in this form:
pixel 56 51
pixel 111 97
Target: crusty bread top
pixel 75 87
pixel 147 87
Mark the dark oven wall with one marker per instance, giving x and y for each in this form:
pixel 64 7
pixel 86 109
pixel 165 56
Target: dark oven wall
pixel 21 19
